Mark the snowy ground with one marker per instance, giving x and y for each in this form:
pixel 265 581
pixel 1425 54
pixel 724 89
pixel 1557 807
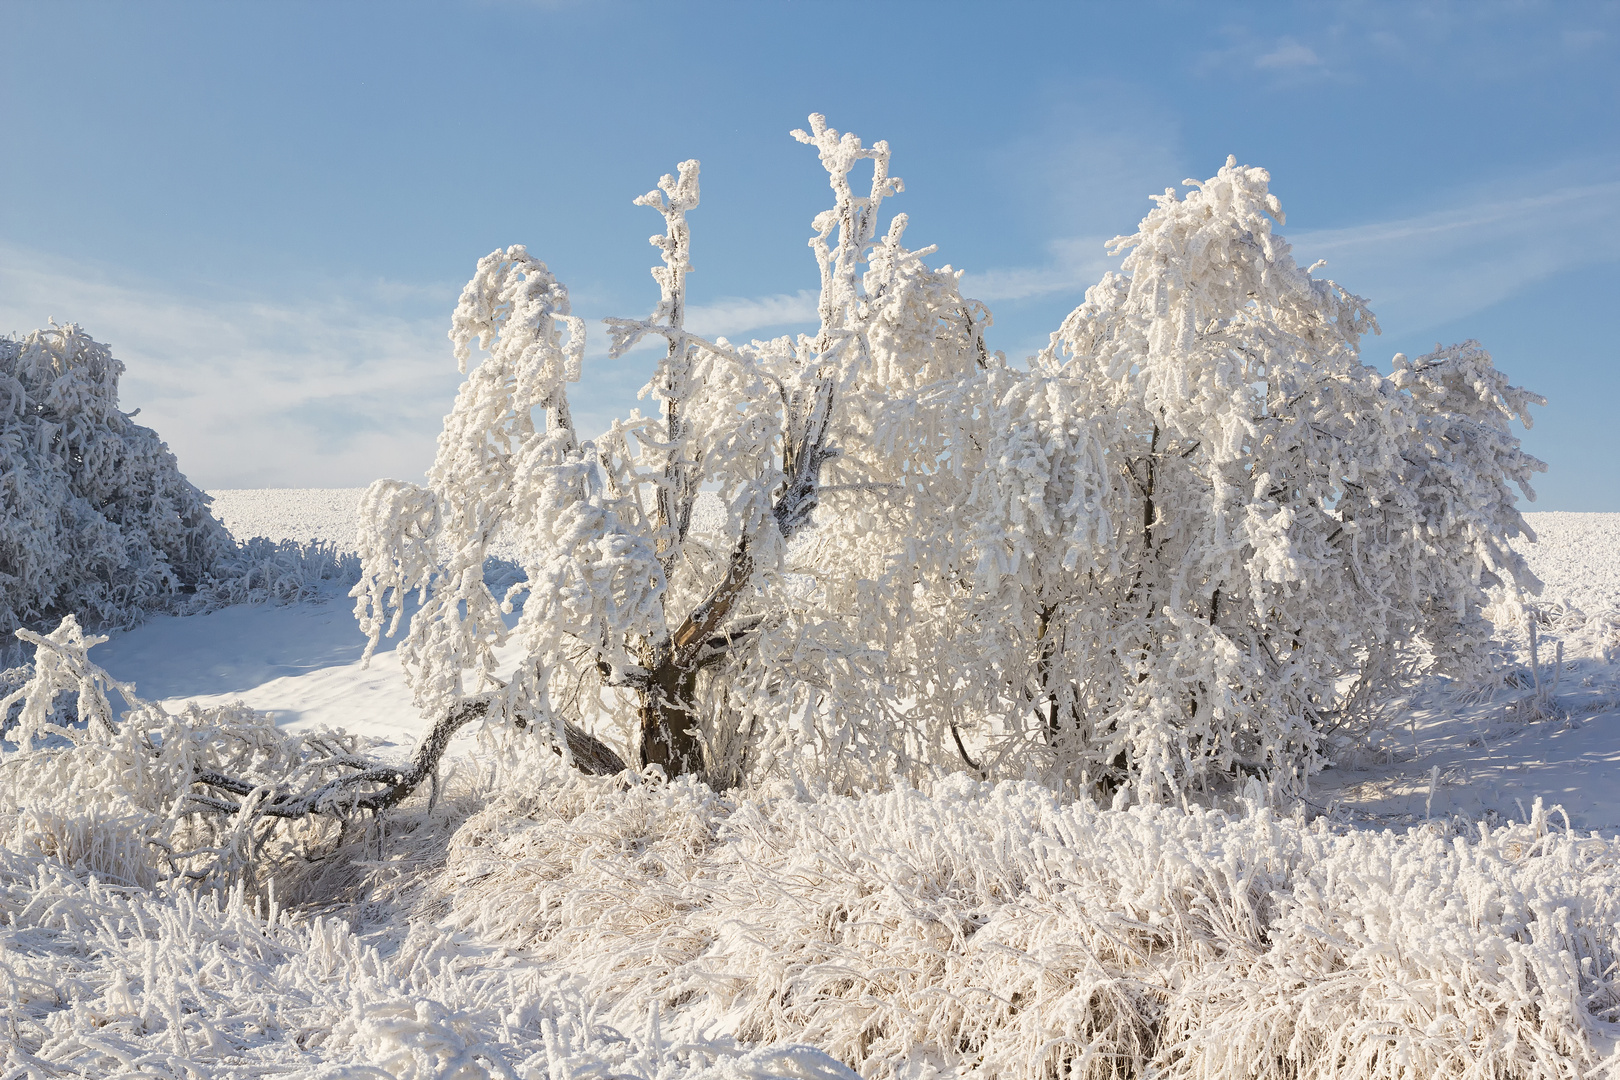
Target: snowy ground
pixel 584 928
pixel 299 514
pixel 1486 758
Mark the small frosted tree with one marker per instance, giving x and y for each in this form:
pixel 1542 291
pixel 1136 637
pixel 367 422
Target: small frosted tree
pixel 723 646
pixel 1189 542
pixel 1210 527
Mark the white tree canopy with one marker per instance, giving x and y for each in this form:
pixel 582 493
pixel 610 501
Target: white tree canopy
pixel 97 519
pixel 1190 540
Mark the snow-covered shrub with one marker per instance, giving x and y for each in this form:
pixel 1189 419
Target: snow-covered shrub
pixel 152 795
pixel 1210 530
pixel 262 570
pixel 95 517
pixel 1190 542
pixel 726 649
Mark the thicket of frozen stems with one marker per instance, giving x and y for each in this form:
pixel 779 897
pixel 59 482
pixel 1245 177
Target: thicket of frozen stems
pixel 106 783
pixel 730 651
pixel 1196 539
pixel 104 981
pixel 98 520
pixel 1001 931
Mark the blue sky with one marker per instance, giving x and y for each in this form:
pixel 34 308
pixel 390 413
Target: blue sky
pixel 268 210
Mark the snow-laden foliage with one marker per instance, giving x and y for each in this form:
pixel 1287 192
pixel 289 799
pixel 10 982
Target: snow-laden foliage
pixel 139 795
pixel 1194 540
pixel 97 519
pixel 1213 530
pixel 727 649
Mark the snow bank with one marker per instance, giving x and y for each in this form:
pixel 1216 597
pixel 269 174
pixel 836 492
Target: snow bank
pixel 1577 558
pixel 302 514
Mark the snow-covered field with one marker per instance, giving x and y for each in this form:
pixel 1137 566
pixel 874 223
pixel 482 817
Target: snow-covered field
pixel 1417 916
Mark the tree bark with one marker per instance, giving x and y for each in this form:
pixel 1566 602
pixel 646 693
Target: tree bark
pixel 668 720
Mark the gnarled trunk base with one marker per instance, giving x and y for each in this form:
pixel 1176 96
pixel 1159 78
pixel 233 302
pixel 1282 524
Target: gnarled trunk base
pixel 668 721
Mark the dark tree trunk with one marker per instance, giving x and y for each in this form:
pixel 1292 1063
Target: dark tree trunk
pixel 668 720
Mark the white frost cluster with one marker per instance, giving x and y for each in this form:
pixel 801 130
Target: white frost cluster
pixel 1210 533
pixel 1194 540
pixel 97 519
pixel 118 792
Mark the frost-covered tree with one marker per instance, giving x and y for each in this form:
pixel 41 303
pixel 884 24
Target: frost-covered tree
pixel 95 517
pixel 1189 541
pixel 727 646
pixel 1209 527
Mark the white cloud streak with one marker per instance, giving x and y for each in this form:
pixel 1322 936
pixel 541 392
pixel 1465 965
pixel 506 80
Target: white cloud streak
pixel 251 393
pixel 732 316
pixel 1418 272
pixel 1423 271
pixel 1288 55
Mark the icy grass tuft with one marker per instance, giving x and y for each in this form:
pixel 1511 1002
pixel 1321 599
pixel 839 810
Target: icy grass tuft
pixel 995 931
pixel 598 927
pixel 106 981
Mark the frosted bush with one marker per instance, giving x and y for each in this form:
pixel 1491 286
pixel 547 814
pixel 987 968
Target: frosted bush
pixel 97 518
pixel 262 570
pixel 140 795
pixel 995 931
pixel 1211 535
pixel 728 650
pixel 1198 539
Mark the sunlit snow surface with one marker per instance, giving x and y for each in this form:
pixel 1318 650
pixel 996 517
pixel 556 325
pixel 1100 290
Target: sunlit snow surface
pixel 1491 762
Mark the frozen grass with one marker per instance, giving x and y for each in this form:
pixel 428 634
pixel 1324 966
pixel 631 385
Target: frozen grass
pixel 592 927
pixel 992 931
pixel 104 981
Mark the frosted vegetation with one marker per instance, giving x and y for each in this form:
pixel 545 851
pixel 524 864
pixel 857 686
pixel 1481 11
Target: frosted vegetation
pixel 1195 539
pixel 876 704
pixel 98 521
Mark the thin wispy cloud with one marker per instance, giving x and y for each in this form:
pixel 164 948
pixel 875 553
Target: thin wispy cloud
pixel 250 393
pixel 1288 55
pixel 734 316
pixel 1075 266
pixel 1418 272
pixel 1430 269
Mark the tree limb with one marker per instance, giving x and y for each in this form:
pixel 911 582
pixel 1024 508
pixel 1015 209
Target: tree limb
pixel 348 793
